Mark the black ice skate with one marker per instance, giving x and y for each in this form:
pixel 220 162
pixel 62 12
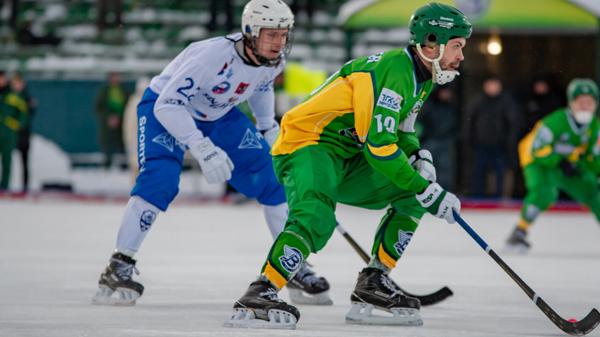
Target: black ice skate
pixel 261 308
pixel 375 290
pixel 517 242
pixel 116 279
pixel 308 288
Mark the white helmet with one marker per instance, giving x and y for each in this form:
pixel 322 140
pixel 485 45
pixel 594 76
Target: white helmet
pixel 260 14
pixel 266 14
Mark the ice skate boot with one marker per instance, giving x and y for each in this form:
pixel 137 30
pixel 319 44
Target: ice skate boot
pixel 374 290
pixel 116 286
pixel 308 288
pixel 261 308
pixel 517 242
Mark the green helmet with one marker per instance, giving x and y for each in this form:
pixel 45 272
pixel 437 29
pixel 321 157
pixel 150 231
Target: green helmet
pixel 438 23
pixel 582 86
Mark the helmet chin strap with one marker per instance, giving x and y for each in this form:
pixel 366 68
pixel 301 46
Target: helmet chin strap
pixel 439 76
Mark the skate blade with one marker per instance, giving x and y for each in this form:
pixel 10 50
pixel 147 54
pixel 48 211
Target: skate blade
pixel 102 296
pixel 245 318
pixel 298 296
pixel 362 313
pixel 119 297
pixel 514 249
pixel 124 297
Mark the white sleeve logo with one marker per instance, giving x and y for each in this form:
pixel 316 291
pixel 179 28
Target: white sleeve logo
pixel 389 99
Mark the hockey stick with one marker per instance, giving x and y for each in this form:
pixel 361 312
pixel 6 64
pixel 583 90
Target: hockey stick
pixel 577 328
pixel 429 299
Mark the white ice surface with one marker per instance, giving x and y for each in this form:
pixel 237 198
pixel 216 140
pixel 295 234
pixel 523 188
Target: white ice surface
pixel 199 259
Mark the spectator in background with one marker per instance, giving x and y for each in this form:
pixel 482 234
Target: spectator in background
pixel 12 116
pixel 308 6
pixel 110 107
pixel 439 122
pixel 227 6
pixel 541 101
pixel 493 133
pixel 19 88
pixel 14 14
pixel 29 35
pixel 109 14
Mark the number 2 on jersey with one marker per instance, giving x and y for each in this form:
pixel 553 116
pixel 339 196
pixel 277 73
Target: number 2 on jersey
pixel 190 84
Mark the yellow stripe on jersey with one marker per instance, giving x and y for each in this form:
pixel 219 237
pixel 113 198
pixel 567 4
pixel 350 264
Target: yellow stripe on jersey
pixel 363 102
pixel 303 124
pixel 526 146
pixel 274 276
pixel 12 123
pixel 385 258
pixel 383 151
pixel 543 152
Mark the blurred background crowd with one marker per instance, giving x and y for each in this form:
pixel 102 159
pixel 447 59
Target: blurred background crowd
pixel 71 72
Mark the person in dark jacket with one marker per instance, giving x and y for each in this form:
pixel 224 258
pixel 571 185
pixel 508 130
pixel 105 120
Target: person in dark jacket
pixel 19 88
pixel 493 126
pixel 110 107
pixel 439 120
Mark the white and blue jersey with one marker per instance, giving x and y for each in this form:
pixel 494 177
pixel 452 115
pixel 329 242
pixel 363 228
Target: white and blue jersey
pixel 207 79
pixel 195 96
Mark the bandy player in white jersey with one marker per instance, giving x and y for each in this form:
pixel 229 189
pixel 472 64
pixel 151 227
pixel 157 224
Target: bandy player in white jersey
pixel 191 106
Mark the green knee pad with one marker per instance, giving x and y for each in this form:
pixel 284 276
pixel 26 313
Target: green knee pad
pixel 393 236
pixel 287 255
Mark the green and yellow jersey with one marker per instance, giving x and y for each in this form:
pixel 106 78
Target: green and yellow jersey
pixel 557 137
pixel 13 111
pixel 368 107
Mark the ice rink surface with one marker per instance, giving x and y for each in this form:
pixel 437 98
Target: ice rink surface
pixel 198 259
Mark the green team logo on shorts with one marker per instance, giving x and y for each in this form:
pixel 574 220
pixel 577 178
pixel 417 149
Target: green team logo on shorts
pixel 291 259
pixel 389 99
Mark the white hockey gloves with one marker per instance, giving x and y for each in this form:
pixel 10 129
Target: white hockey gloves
pixel 271 134
pixel 439 202
pixel 422 161
pixel 214 162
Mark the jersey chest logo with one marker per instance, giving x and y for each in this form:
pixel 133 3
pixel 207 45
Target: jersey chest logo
pixel 241 88
pixel 221 88
pixel 389 99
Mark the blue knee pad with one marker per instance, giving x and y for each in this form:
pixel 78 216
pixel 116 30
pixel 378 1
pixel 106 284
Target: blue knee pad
pixel 160 157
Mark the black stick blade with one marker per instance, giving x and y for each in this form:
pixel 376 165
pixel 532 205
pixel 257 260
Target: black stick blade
pixel 433 298
pixel 583 327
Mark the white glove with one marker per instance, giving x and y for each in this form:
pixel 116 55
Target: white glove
pixel 439 202
pixel 422 161
pixel 214 162
pixel 271 134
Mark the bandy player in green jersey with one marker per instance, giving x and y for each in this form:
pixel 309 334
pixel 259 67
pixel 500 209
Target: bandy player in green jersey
pixel 353 142
pixel 562 152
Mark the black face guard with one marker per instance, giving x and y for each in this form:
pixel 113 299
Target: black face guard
pixel 251 43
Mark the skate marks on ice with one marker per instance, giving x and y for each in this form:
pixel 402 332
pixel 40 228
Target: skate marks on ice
pixel 198 260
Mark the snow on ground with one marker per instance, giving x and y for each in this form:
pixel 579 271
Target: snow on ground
pixel 199 259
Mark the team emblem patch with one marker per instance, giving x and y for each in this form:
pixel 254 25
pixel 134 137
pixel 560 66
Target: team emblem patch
pixel 221 88
pixel 241 88
pixel 291 259
pixel 389 99
pixel 250 141
pixel 147 219
pixel 403 240
pixel 169 142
